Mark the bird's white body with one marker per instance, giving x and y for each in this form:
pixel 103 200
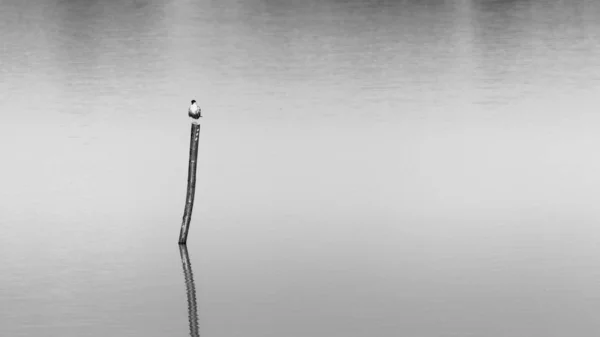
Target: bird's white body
pixel 195 113
pixel 194 109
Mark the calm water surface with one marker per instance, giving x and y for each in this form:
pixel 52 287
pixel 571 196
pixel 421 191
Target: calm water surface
pixel 367 168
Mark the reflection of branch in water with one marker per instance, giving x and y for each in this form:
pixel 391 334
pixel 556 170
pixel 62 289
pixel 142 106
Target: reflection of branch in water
pixel 190 289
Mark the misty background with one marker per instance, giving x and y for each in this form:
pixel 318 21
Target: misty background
pixel 366 167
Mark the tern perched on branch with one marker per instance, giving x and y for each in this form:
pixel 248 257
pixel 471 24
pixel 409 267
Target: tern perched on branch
pixel 194 111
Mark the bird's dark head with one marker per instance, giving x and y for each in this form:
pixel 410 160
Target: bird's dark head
pixel 193 101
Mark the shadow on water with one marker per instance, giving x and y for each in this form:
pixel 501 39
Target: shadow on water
pixel 190 289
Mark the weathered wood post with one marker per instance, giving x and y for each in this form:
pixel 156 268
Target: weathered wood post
pixel 191 184
pixel 190 289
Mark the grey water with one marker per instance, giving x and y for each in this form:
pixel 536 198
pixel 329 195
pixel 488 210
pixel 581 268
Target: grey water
pixel 366 168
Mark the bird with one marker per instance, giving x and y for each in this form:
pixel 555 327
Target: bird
pixel 194 110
